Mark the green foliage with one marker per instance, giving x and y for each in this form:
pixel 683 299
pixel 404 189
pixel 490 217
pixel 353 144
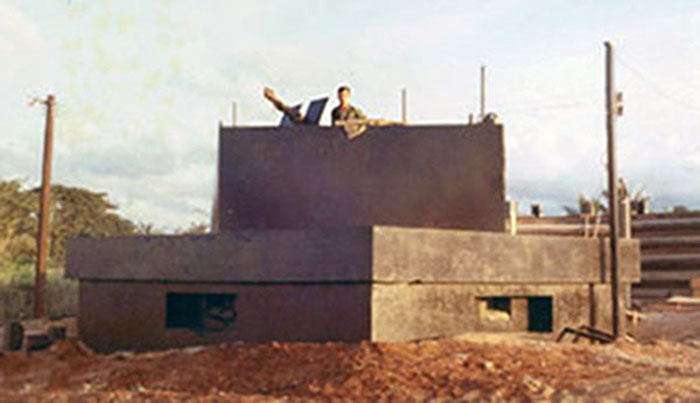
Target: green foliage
pixel 599 206
pixel 14 274
pixel 194 229
pixel 74 212
pixel 79 212
pixel 637 195
pixel 584 204
pixel 16 291
pixel 17 220
pixel 680 209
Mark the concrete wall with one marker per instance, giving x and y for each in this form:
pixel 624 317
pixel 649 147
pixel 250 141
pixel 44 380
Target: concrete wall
pixel 410 311
pixel 243 256
pixel 380 283
pixel 311 177
pixel 669 242
pixel 385 254
pixel 119 315
pixel 402 312
pixel 408 254
pixel 132 315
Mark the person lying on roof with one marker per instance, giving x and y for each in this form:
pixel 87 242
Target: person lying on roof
pixel 293 114
pixel 345 111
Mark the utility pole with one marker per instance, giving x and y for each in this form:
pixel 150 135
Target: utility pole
pixel 404 106
pixel 482 99
pixel 234 114
pixel 613 109
pixel 44 212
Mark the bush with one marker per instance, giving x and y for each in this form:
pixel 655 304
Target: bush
pixel 17 291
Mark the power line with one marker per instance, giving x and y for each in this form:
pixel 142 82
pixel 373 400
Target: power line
pixel 657 88
pixel 534 107
pixel 543 104
pixel 629 62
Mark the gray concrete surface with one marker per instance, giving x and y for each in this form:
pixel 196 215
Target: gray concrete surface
pixel 119 315
pixel 392 236
pixel 412 254
pixel 379 283
pixel 403 312
pixel 381 254
pixel 243 256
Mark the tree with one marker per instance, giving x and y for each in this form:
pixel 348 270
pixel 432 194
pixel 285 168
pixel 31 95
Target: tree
pixel 586 205
pixel 73 212
pixel 77 212
pixel 194 229
pixel 18 221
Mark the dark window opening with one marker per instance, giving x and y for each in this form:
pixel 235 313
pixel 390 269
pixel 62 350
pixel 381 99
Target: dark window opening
pixel 495 308
pixel 539 314
pixel 206 312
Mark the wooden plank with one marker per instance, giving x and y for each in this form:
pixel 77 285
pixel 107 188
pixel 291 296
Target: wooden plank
pixel 684 300
pixel 670 275
pixel 667 223
pixel 657 293
pixel 678 232
pixel 657 216
pixel 671 260
pixel 560 229
pixel 677 241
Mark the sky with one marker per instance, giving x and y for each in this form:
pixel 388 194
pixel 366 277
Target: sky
pixel 141 87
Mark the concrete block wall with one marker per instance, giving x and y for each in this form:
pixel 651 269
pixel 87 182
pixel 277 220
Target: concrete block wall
pixel 406 311
pixel 132 315
pixel 670 247
pixel 395 235
pixel 371 283
pixel 449 176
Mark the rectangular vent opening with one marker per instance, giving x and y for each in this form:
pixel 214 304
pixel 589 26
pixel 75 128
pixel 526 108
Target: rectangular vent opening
pixel 495 309
pixel 539 314
pixel 198 311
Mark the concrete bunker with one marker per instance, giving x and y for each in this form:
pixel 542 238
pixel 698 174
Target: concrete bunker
pixel 396 235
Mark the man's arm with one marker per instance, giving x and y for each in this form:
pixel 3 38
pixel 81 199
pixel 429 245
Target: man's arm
pixel 295 116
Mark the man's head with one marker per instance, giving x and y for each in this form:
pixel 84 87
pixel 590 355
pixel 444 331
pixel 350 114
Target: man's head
pixel 344 95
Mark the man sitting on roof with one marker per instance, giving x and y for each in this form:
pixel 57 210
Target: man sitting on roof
pixel 345 111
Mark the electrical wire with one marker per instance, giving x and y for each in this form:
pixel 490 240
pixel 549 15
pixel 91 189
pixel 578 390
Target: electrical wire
pixel 624 61
pixel 535 107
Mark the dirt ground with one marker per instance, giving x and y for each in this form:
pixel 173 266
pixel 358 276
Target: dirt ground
pixel 660 366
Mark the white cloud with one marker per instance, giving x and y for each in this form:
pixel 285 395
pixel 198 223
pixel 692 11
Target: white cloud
pixel 18 33
pixel 141 87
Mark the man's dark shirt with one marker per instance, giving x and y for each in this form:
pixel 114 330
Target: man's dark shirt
pixel 343 114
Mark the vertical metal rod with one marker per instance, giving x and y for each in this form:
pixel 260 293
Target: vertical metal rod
pixel 234 114
pixel 404 106
pixel 613 205
pixel 482 99
pixel 44 212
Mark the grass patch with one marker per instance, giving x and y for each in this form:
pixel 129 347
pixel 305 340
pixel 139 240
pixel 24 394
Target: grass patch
pixel 17 291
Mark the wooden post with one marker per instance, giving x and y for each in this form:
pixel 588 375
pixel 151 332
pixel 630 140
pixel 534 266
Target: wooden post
pixel 404 106
pixel 611 113
pixel 695 287
pixel 44 212
pixel 234 114
pixel 482 99
pixel 512 212
pixel 625 218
